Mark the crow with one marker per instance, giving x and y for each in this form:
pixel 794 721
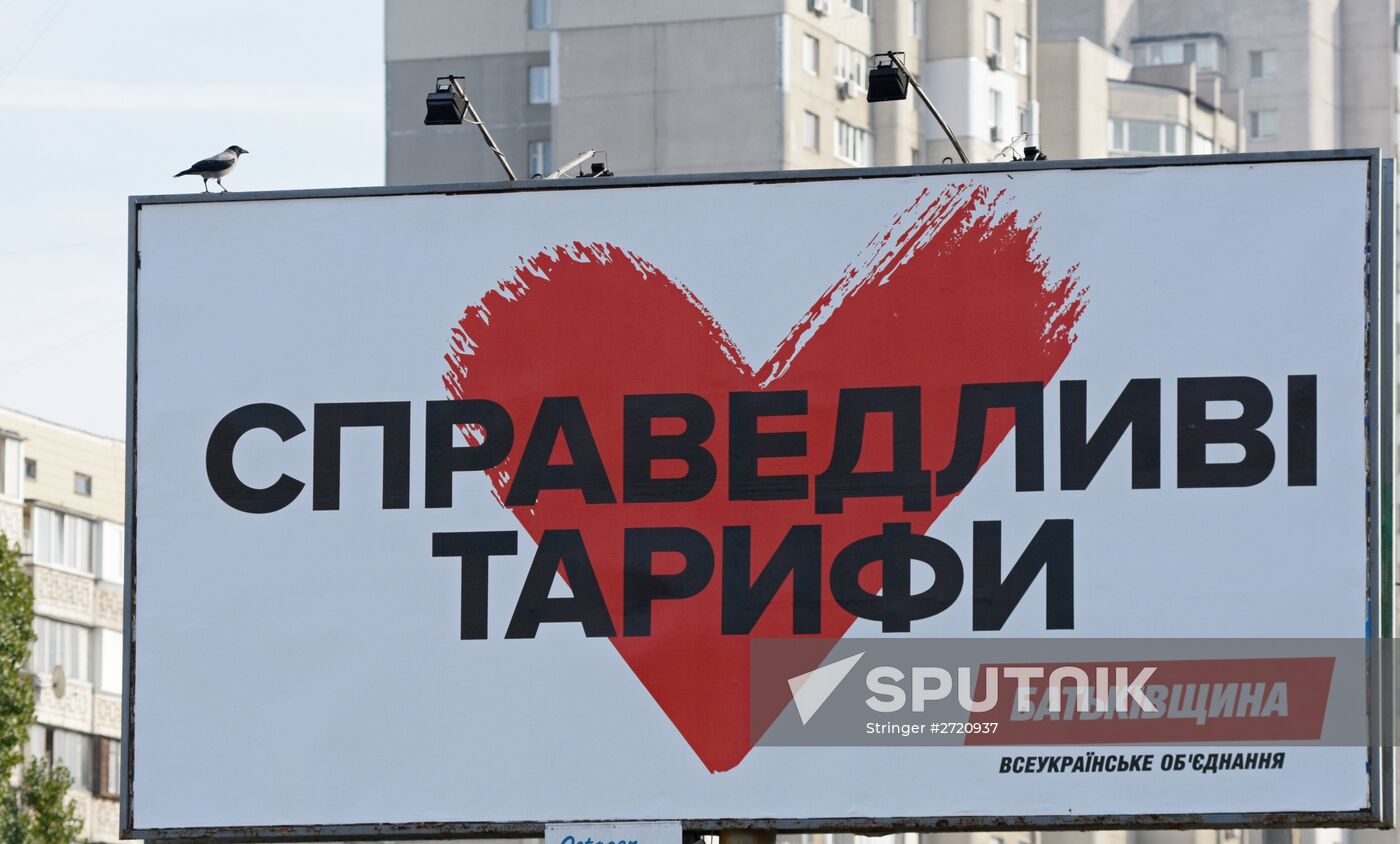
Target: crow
pixel 215 167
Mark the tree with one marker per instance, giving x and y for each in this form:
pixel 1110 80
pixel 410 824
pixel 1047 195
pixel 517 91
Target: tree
pixel 36 809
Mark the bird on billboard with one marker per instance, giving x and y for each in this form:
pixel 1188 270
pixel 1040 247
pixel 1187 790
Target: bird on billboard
pixel 215 167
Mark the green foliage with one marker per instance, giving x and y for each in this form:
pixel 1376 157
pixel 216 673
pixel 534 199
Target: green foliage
pixel 36 810
pixel 16 638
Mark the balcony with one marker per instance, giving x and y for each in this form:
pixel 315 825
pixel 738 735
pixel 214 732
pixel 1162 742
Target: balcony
pixel 73 711
pixel 67 596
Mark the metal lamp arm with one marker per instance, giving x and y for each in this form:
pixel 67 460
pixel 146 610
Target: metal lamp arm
pixel 485 133
pixel 919 89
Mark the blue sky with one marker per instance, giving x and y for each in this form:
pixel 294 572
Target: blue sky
pixel 101 100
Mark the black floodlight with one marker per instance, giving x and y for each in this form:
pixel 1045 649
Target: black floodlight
pixel 886 83
pixel 447 102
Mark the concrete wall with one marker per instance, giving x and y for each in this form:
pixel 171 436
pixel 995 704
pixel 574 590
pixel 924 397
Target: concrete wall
pixel 429 29
pixel 1109 23
pixel 1074 99
pixel 952 29
pixel 1137 101
pixel 1368 74
pixel 685 97
pixel 588 14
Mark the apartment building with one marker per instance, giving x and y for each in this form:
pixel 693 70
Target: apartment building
pixel 62 494
pixel 735 85
pixel 1294 74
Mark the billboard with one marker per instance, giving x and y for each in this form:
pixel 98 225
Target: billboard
pixel 918 498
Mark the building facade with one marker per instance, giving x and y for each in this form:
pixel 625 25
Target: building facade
pixel 1293 74
pixel 62 494
pixel 743 85
pixel 677 87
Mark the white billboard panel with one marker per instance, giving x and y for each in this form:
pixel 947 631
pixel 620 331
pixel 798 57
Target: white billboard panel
pixel 468 511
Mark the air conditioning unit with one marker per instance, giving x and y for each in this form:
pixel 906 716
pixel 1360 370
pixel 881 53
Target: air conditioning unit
pixel 994 61
pixel 819 7
pixel 843 89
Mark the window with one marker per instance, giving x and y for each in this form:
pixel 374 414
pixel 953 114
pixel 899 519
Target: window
pixel 852 143
pixel 850 66
pixel 109 768
pixel 31 470
pixel 1207 55
pixel 60 643
pixel 811 131
pixel 916 19
pixel 1023 121
pixel 862 6
pixel 539 14
pixel 74 751
pixel 539 84
pixel 1263 124
pixel 63 540
pixel 1023 54
pixel 38 742
pixel 111 552
pixel 993 35
pixel 10 466
pixel 108 667
pixel 994 123
pixel 811 55
pixel 1151 137
pixel 1263 64
pixel 1201 145
pixel 540 158
pixel 82 484
pixel 1204 52
pixel 916 156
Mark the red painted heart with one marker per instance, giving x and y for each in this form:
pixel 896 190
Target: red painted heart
pixel 953 293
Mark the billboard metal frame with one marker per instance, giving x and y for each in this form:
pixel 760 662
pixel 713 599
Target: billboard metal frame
pixel 1381 515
